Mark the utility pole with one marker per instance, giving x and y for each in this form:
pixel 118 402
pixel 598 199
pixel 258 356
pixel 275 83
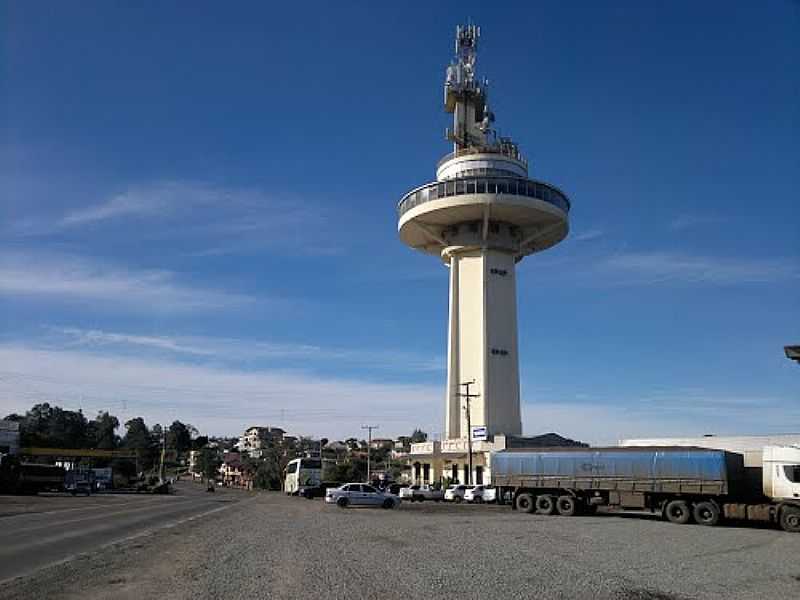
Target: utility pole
pixel 369 445
pixel 467 397
pixel 163 452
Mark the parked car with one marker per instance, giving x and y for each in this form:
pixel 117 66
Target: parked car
pixel 418 493
pixel 480 494
pixel 455 493
pixel 360 494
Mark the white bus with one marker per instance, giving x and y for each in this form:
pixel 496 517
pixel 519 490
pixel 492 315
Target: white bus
pixel 302 473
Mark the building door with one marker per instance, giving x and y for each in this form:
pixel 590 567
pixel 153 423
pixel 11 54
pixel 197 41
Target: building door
pixel 455 473
pixel 417 470
pixel 426 473
pixel 479 475
pixel 466 479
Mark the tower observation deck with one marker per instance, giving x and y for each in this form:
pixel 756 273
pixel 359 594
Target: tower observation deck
pixel 482 215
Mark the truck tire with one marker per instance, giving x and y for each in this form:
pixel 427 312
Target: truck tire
pixel 677 511
pixel 545 504
pixel 567 506
pixel 790 519
pixel 342 502
pixel 705 513
pixel 525 503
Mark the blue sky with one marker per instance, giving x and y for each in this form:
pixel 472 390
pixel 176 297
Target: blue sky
pixel 197 212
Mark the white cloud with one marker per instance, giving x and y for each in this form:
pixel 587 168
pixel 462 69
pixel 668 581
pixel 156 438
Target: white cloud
pixel 688 221
pixel 237 350
pixel 74 278
pixel 217 400
pixel 589 234
pixel 662 267
pixel 123 205
pixel 207 220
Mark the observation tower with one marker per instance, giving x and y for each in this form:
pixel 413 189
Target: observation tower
pixel 481 216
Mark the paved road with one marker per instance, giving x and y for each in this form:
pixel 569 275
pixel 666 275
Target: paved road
pixel 274 547
pixel 39 530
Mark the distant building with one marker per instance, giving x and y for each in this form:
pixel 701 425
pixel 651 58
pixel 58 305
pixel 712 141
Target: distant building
pixel 9 437
pixel 234 473
pixel 257 439
pixel 378 443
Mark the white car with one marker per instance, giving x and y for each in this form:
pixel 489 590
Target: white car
pixel 480 494
pixel 418 493
pixel 455 493
pixel 360 494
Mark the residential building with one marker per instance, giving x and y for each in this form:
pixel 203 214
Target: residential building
pixel 257 439
pixel 379 443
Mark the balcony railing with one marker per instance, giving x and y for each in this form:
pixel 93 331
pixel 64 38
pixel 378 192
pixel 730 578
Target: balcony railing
pixel 503 151
pixel 511 186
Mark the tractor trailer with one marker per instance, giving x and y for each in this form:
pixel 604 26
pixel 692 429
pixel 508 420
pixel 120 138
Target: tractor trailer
pixel 680 484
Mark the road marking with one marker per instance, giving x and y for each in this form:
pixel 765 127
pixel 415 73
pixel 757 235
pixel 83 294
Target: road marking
pixel 123 540
pixel 97 514
pixel 63 510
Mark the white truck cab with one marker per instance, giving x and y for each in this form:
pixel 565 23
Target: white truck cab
pixel 781 466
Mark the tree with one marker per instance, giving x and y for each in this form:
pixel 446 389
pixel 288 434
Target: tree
pixel 53 427
pixel 179 437
pixel 208 462
pixel 351 470
pixel 137 436
pixel 103 431
pixel 419 436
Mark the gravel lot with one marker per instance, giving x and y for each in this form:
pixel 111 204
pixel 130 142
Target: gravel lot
pixel 271 546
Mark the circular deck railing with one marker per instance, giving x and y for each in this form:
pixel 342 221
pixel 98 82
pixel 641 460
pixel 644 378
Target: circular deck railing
pixel 511 186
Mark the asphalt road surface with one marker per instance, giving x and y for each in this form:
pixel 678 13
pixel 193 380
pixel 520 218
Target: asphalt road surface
pixel 36 531
pixel 271 546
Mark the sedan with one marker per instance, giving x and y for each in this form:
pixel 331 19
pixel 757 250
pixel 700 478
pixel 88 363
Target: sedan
pixel 480 494
pixel 455 493
pixel 360 494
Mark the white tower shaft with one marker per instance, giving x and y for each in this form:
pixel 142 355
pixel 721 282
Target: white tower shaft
pixel 482 341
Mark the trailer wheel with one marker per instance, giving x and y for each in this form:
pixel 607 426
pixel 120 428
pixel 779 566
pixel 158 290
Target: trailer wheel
pixel 566 506
pixel 677 511
pixel 525 503
pixel 790 519
pixel 706 513
pixel 545 504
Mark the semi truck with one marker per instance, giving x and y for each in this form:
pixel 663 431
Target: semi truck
pixel 680 484
pixel 18 477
